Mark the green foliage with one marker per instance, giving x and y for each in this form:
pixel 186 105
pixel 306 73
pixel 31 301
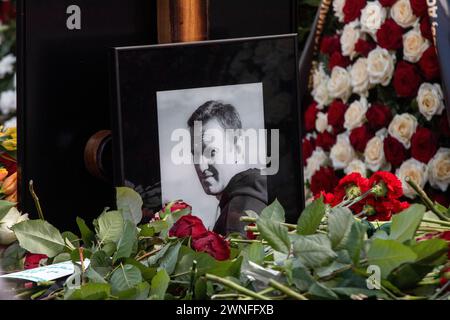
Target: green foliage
pixel 311 218
pixel 275 234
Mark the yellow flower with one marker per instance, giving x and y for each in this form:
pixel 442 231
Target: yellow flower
pixel 10 144
pixel 3 173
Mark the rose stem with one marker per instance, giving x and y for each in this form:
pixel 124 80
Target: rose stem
pixel 286 290
pixel 36 201
pixel 235 286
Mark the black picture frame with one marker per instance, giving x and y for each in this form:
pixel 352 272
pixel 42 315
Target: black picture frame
pixel 140 72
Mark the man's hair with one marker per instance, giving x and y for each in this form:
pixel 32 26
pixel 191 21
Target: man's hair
pixel 226 114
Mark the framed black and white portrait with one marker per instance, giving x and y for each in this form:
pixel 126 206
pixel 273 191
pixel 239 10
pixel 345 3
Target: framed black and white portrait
pixel 215 124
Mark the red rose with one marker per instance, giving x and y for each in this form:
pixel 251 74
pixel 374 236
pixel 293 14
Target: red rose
pixel 387 3
pixel 213 244
pixel 308 147
pixel 187 226
pixel 7 11
pixel 406 79
pixel 395 152
pixel 419 7
pixel 324 180
pixel 310 117
pixel 337 59
pixel 424 145
pixel 352 9
pixel 392 184
pixel 444 127
pixel 330 44
pixel 325 140
pixel 425 28
pixel 390 35
pixel 359 138
pixel 32 261
pixel 336 115
pixel 378 116
pixel 364 47
pixel 429 65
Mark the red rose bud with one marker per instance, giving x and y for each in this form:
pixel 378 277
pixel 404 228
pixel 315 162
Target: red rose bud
pixel 390 35
pixel 325 140
pixel 385 184
pixel 213 244
pixel 336 115
pixel 406 79
pixel 429 65
pixel 310 117
pixel 352 9
pixel 424 145
pixel 324 180
pixel 250 234
pixel 330 44
pixel 337 59
pixel 177 206
pixel 425 28
pixel 359 138
pixel 187 226
pixel 387 3
pixel 378 117
pixel 395 152
pixel 33 261
pixel 364 47
pixel 419 7
pixel 308 147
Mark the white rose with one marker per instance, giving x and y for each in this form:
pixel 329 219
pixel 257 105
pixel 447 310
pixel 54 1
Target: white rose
pixel 318 159
pixel 402 127
pixel 414 45
pixel 374 152
pixel 357 166
pixel 403 14
pixel 355 116
pixel 380 66
pixel 350 35
pixel 322 96
pixel 338 8
pixel 430 100
pixel 319 77
pixel 360 77
pixel 8 101
pixel 7 65
pixel 416 171
pixel 7 236
pixel 321 122
pixel 372 17
pixel 339 85
pixel 439 169
pixel 342 153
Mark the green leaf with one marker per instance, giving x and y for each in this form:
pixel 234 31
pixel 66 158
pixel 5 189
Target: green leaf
pixel 274 212
pixel 153 260
pixel 431 251
pixel 63 257
pixel 314 250
pixel 40 237
pixel 126 241
pixel 255 253
pixel 94 276
pixel 169 260
pixel 91 291
pixel 159 286
pixel 101 262
pixel 110 226
pixel 138 292
pixel 302 278
pixel 311 218
pixel 275 234
pixel 405 224
pixel 340 223
pixel 320 291
pixel 355 241
pixel 124 278
pixel 388 255
pixel 348 292
pixel 87 235
pixel 129 202
pixel 12 258
pixel 147 273
pixel 5 206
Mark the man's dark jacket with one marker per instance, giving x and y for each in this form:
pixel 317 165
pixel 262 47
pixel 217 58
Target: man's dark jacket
pixel 246 191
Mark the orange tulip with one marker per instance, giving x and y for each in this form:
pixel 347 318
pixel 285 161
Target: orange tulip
pixel 10 184
pixel 3 173
pixel 12 197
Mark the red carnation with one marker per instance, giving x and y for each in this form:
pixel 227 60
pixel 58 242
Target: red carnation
pixel 386 208
pixel 213 244
pixel 378 116
pixel 425 28
pixel 392 184
pixel 187 226
pixel 429 65
pixel 336 115
pixel 337 59
pixel 325 140
pixel 359 138
pixel 419 7
pixel 364 47
pixel 308 147
pixel 352 180
pixel 387 3
pixel 394 151
pixel 390 35
pixel 310 117
pixel 424 145
pixel 324 180
pixel 352 9
pixel 330 44
pixel 32 261
pixel 328 198
pixel 406 79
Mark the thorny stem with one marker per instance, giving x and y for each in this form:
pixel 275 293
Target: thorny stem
pixel 235 286
pixel 36 201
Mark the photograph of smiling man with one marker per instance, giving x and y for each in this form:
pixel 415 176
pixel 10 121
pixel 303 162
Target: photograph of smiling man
pixel 215 141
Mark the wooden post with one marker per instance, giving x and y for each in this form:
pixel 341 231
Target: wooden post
pixel 182 20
